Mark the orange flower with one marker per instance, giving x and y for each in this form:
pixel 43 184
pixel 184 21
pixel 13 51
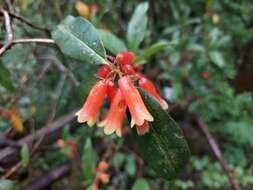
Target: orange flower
pixel 111 91
pixel 88 113
pixel 114 118
pixel 142 129
pixel 147 85
pixel 137 108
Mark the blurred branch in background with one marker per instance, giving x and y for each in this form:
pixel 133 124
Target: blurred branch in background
pixel 10 41
pixel 217 151
pixel 51 131
pixel 48 178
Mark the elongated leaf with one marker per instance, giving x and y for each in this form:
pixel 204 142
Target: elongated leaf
pixel 217 58
pixel 24 153
pixel 112 42
pixel 137 27
pixel 89 159
pixel 150 51
pixel 164 147
pixel 5 78
pixel 79 39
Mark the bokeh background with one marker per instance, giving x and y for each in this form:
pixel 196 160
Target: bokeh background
pixel 206 68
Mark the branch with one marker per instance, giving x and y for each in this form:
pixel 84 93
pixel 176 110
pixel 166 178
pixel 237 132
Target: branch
pixel 29 40
pixel 217 152
pixel 8 142
pixel 7 23
pixel 45 180
pixel 51 131
pixel 62 68
pixel 29 23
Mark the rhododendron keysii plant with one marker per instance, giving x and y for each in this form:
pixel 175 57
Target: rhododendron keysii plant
pixel 118 80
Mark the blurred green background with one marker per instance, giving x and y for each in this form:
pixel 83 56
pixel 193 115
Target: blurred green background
pixel 206 67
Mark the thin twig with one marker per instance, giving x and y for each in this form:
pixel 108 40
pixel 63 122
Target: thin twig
pixel 9 5
pixel 45 180
pixel 34 40
pixel 62 68
pixel 9 32
pixel 57 96
pixel 217 152
pixel 29 23
pixel 9 142
pixel 50 131
pixel 12 170
pixel 6 46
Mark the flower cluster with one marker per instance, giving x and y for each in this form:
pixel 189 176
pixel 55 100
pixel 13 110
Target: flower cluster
pixel 122 95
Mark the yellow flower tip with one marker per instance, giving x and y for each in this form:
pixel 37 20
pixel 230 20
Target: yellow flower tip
pixel 80 119
pixel 164 104
pixel 132 122
pixel 77 113
pixel 108 130
pixel 101 124
pixel 91 122
pixel 150 118
pixel 119 132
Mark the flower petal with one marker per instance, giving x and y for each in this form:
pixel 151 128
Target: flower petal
pixel 88 113
pixel 147 85
pixel 115 116
pixel 137 108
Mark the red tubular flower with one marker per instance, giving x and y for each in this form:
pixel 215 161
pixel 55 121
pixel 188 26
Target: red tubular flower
pixel 111 91
pixel 142 129
pixel 103 71
pixel 128 69
pixel 88 112
pixel 147 85
pixel 124 57
pixel 137 108
pixel 114 118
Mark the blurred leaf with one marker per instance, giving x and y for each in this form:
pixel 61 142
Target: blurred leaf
pixel 150 51
pixel 16 120
pixel 82 9
pixel 240 131
pixel 24 154
pixel 130 166
pixel 23 4
pixel 118 159
pixel 5 78
pixel 141 184
pixel 89 159
pixel 137 26
pixel 217 58
pixel 164 147
pixel 7 184
pixel 79 39
pixel 112 42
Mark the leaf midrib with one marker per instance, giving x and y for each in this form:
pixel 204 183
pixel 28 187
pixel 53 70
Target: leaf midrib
pixel 64 29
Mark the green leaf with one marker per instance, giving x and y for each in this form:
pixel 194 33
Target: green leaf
pixel 164 147
pixel 217 58
pixel 137 27
pixel 80 40
pixel 112 42
pixel 24 154
pixel 89 159
pixel 150 51
pixel 130 166
pixel 5 78
pixel 141 184
pixel 7 184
